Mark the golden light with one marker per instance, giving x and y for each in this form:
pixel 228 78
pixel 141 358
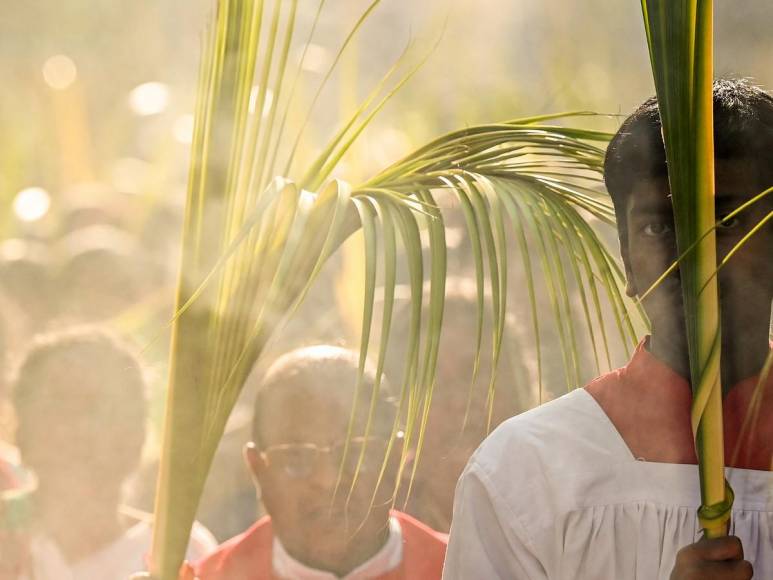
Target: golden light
pixel 59 72
pixel 31 204
pixel 183 129
pixel 149 99
pixel 317 59
pixel 129 174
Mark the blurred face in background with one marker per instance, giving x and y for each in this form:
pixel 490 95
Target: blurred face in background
pixel 303 432
pixel 26 282
pixel 103 273
pixel 100 284
pixel 73 434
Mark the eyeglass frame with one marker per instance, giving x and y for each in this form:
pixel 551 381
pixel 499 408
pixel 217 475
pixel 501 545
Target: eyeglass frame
pixel 321 450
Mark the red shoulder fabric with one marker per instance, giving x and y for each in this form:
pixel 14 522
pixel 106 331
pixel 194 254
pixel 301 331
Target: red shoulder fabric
pixel 424 549
pixel 243 557
pixel 748 409
pixel 248 555
pixel 649 405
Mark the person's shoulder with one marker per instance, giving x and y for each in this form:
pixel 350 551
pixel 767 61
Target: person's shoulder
pixel 548 451
pixel 424 549
pixel 202 542
pixel 241 557
pixel 418 532
pixel 560 427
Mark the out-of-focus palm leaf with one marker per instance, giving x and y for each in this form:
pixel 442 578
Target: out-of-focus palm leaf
pixel 679 34
pixel 253 243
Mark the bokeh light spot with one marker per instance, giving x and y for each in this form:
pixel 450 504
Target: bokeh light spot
pixel 317 59
pixel 31 204
pixel 59 72
pixel 149 98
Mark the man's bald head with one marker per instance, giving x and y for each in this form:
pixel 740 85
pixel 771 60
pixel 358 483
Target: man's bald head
pixel 310 391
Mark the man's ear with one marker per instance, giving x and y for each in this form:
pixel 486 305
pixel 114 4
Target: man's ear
pixel 256 465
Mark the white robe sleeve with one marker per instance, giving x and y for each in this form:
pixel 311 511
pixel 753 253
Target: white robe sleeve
pixel 487 539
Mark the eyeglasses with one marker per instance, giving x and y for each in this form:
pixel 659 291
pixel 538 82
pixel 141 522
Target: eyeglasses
pixel 301 460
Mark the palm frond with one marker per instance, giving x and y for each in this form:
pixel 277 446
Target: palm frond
pixel 253 244
pixel 681 50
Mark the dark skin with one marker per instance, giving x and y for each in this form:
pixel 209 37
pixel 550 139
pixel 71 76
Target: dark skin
pixel 745 290
pixel 315 526
pixel 717 559
pixel 745 283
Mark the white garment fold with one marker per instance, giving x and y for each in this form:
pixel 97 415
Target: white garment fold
pixel 387 558
pixel 117 561
pixel 556 494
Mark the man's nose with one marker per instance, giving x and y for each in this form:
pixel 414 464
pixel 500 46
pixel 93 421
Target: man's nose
pixel 327 473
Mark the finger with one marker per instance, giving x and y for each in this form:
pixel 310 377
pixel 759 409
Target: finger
pixel 719 549
pixel 729 570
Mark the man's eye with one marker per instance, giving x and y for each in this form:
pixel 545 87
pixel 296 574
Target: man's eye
pixel 656 229
pixel 729 224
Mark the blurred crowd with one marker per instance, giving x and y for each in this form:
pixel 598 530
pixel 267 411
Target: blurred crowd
pixel 88 276
pixel 87 282
pixel 86 297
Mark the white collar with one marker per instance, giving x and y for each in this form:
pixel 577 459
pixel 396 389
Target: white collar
pixel 387 558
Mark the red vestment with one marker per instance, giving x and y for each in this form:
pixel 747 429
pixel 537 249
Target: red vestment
pixel 248 556
pixel 649 404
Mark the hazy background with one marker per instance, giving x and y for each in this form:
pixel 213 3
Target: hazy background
pixel 96 118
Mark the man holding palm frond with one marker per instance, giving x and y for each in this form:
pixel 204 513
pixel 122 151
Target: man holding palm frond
pixel 602 483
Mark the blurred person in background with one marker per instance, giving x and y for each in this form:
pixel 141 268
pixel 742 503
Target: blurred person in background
pixel 555 375
pixel 26 281
pixel 459 412
pixel 79 397
pixel 300 428
pixel 13 331
pixel 89 204
pixel 159 233
pixel 103 274
pixel 17 486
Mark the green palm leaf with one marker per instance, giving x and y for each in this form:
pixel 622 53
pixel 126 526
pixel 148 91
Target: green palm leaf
pixel 253 243
pixel 679 34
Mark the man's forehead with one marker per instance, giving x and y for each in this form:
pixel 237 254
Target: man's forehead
pixel 650 195
pixel 311 413
pixel 737 181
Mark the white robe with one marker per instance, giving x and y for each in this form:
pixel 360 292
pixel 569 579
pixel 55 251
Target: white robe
pixel 556 494
pixel 117 561
pixel 387 558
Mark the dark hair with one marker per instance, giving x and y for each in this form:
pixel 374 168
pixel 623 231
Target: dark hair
pixel 116 408
pixel 743 129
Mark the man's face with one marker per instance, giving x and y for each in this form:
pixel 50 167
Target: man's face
pixel 745 283
pixel 302 441
pixel 63 437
